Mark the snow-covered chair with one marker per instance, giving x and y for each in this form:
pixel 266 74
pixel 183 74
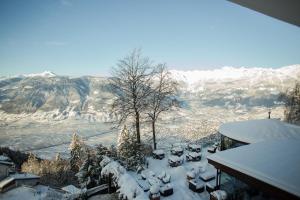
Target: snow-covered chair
pixel 194 147
pixel 158 154
pixel 166 190
pixel 193 156
pixel 196 186
pixel 218 195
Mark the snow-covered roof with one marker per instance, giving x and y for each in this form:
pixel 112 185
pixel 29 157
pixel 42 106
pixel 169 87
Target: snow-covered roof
pixel 252 131
pixel 274 162
pixel 17 176
pixel 4 158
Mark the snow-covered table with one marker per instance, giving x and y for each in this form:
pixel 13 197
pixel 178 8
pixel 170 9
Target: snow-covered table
pixel 158 154
pixel 175 161
pixel 177 151
pixel 193 156
pixel 194 147
pixel 196 186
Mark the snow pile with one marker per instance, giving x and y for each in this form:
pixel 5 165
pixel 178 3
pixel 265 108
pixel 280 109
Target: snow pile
pixel 113 168
pixel 129 188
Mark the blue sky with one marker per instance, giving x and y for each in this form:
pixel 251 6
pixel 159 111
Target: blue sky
pixel 87 37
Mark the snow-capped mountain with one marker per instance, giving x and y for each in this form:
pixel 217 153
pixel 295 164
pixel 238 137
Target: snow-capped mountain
pixel 53 97
pixel 43 74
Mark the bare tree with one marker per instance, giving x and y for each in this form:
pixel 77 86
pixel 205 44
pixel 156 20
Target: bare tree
pixel 163 88
pixel 292 104
pixel 130 82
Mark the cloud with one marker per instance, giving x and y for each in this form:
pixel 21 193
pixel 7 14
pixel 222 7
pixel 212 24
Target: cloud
pixel 55 43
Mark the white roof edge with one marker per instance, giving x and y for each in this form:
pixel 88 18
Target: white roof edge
pixel 258 130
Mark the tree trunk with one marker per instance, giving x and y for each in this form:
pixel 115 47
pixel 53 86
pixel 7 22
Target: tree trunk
pixel 153 131
pixel 137 126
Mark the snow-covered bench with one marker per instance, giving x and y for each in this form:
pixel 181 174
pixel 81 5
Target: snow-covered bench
pixel 208 175
pixel 194 147
pixel 177 151
pixel 166 190
pixel 158 154
pixel 193 156
pixel 196 186
pixel 175 161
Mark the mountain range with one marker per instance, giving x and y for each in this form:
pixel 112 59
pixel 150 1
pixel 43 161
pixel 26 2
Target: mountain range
pixel 53 97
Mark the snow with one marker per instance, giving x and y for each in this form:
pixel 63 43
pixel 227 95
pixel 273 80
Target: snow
pixel 230 73
pixel 17 176
pixel 71 189
pixel 4 158
pixel 252 131
pixel 32 193
pixel 275 162
pixel 43 74
pixel 219 194
pixel 158 152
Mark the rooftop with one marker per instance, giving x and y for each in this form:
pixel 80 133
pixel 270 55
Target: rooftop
pixel 276 163
pixel 252 131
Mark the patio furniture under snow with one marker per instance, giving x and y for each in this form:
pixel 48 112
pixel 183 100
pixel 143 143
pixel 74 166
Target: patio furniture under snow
pixel 154 192
pixel 144 185
pixel 166 190
pixel 193 156
pixel 210 186
pixel 194 147
pixel 196 186
pixel 212 149
pixel 158 154
pixel 191 174
pixel 218 195
pixel 154 181
pixel 175 161
pixel 164 177
pixel 177 151
pixel 208 175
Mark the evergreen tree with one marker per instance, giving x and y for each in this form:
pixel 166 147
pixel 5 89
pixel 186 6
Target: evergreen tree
pixel 89 173
pixel 128 150
pixel 77 152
